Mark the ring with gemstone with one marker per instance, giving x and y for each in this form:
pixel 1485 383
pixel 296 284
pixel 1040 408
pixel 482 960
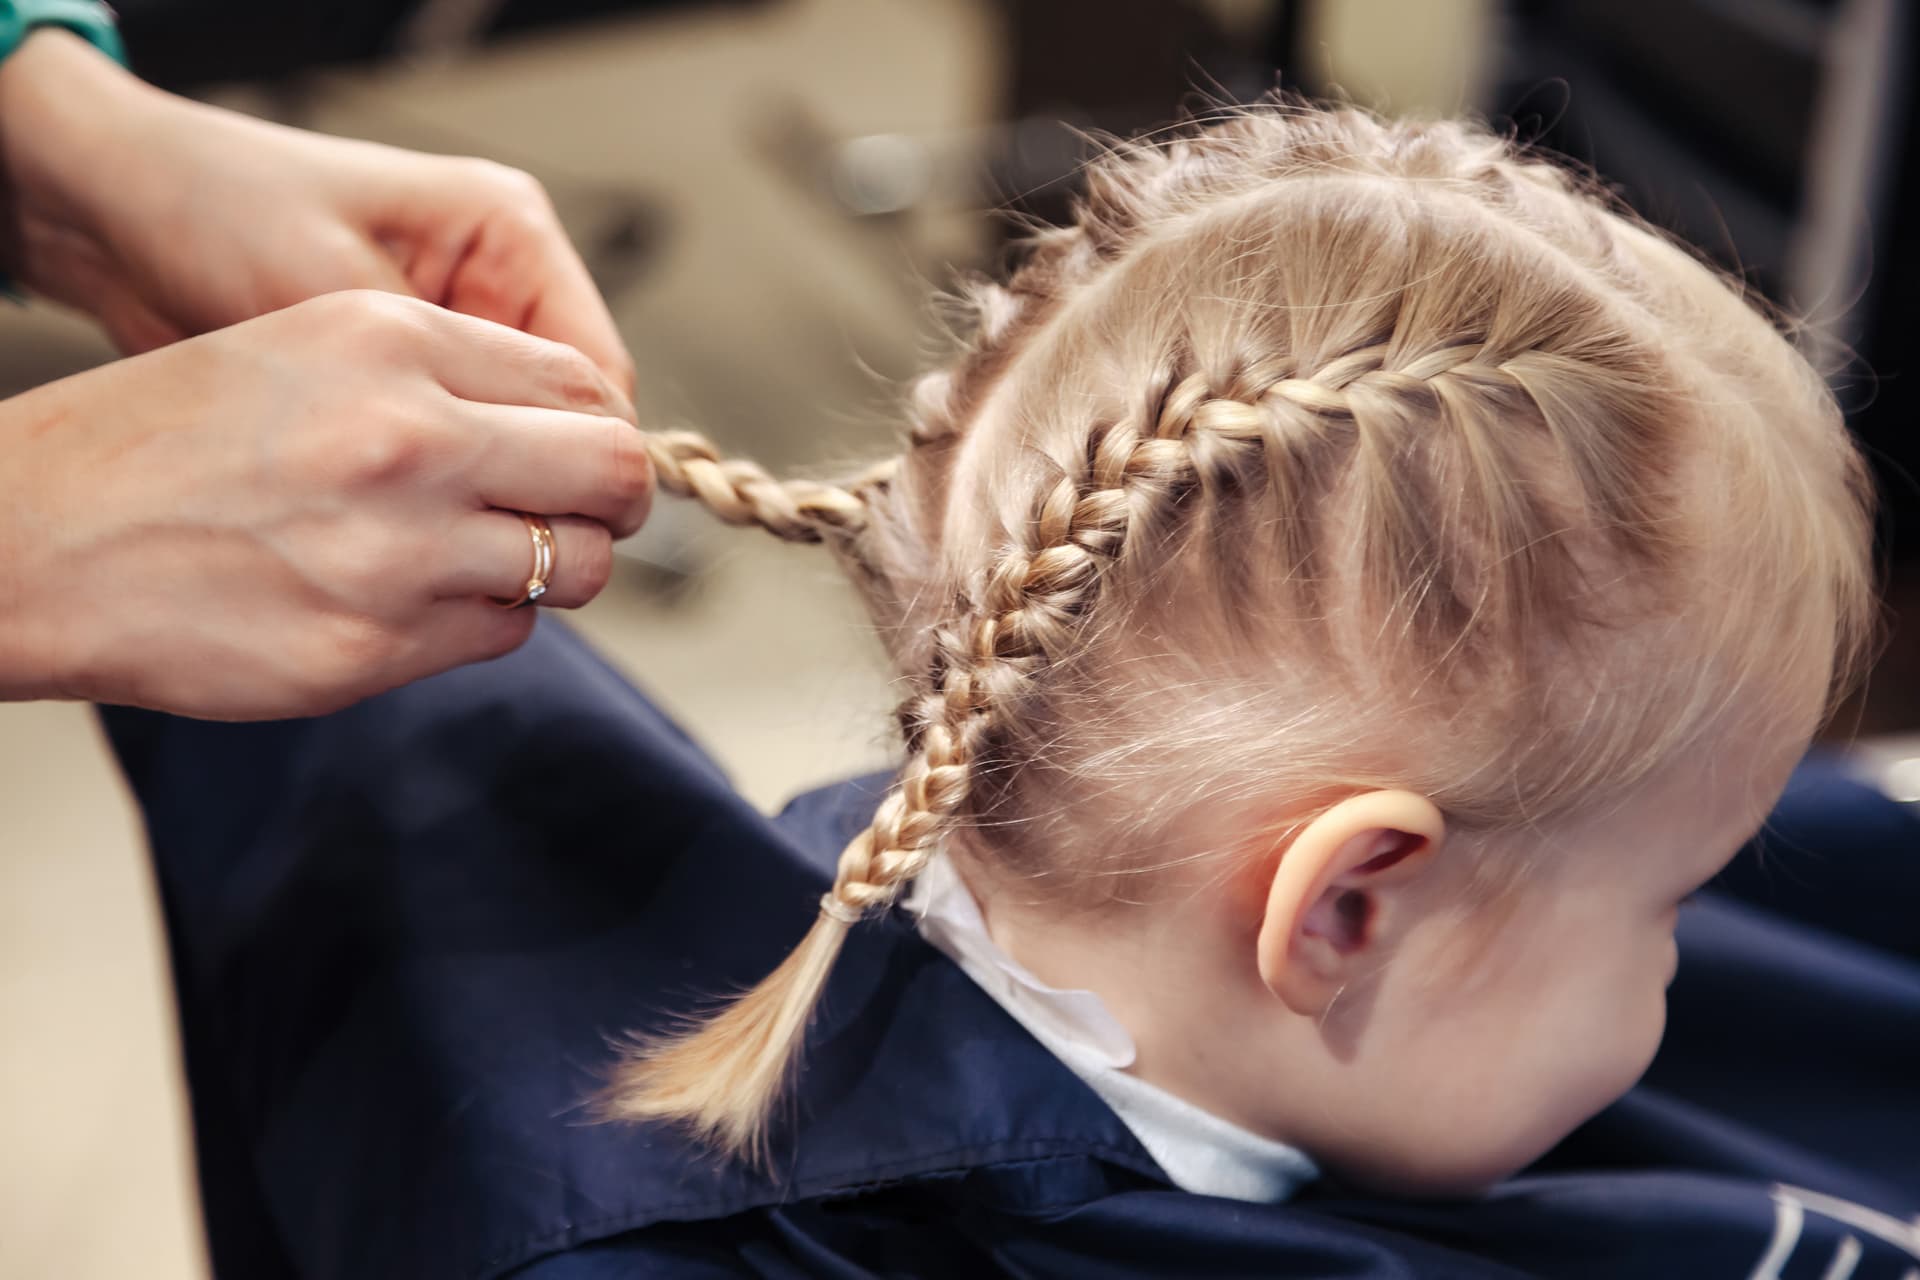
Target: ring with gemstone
pixel 543 561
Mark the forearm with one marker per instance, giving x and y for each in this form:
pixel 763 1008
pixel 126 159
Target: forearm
pixel 69 118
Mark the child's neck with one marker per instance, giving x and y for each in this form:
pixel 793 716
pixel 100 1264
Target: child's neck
pixel 1178 976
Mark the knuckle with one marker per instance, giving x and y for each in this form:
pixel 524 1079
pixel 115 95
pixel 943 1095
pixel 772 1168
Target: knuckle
pixel 527 222
pixel 574 378
pixel 352 651
pixel 385 451
pixel 372 306
pixel 516 187
pixel 372 322
pixel 338 305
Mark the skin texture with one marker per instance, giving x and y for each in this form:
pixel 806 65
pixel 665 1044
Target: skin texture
pixel 1348 994
pixel 358 363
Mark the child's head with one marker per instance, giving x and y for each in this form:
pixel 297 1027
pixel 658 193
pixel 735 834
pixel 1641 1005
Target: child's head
pixel 1354 584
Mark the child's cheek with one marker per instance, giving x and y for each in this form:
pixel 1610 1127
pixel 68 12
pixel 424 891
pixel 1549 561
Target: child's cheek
pixel 1605 1049
pixel 1636 1035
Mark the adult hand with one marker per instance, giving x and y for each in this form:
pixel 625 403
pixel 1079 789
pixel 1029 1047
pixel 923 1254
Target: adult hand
pixel 164 217
pixel 285 516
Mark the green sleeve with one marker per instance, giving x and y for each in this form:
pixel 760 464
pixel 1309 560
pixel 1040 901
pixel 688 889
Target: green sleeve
pixel 90 21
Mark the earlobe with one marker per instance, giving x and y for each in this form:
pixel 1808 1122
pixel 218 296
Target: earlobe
pixel 1333 891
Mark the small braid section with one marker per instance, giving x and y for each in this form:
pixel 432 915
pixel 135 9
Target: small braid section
pixel 996 320
pixel 742 493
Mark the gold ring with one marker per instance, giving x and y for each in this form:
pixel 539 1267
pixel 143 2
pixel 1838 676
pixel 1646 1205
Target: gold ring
pixel 543 561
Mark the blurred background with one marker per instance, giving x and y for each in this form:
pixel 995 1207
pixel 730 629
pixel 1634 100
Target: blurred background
pixel 767 190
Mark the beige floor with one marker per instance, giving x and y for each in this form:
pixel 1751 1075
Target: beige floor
pixel 766 318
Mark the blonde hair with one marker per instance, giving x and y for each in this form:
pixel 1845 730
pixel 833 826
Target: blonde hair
pixel 1317 453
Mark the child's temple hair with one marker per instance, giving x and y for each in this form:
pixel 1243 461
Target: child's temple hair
pixel 1317 454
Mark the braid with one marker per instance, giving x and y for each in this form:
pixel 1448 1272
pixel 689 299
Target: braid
pixel 723 1077
pixel 1435 397
pixel 741 492
pixel 1055 261
pixel 1127 487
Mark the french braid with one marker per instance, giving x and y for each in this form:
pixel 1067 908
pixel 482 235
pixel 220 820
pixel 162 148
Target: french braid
pixel 1479 414
pixel 1035 598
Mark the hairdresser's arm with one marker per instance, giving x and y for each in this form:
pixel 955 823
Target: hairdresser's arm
pixel 165 218
pixel 287 515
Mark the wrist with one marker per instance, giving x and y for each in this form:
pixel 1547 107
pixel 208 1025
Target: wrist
pixel 66 110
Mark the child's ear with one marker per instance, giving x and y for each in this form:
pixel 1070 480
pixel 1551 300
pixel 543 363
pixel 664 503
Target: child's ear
pixel 1335 891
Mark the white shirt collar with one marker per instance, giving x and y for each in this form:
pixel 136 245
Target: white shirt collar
pixel 1198 1150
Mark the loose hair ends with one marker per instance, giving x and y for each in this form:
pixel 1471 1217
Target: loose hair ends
pixel 724 1077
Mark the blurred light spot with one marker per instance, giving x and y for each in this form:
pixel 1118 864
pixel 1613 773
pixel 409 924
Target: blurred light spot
pixel 1901 781
pixel 881 173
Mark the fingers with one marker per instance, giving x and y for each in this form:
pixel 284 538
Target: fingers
pixel 519 269
pixel 490 363
pixel 494 248
pixel 456 632
pixel 552 462
pixel 492 557
pixel 569 309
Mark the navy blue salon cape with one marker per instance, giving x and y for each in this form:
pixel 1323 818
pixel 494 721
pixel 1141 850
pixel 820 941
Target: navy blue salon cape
pixel 403 934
